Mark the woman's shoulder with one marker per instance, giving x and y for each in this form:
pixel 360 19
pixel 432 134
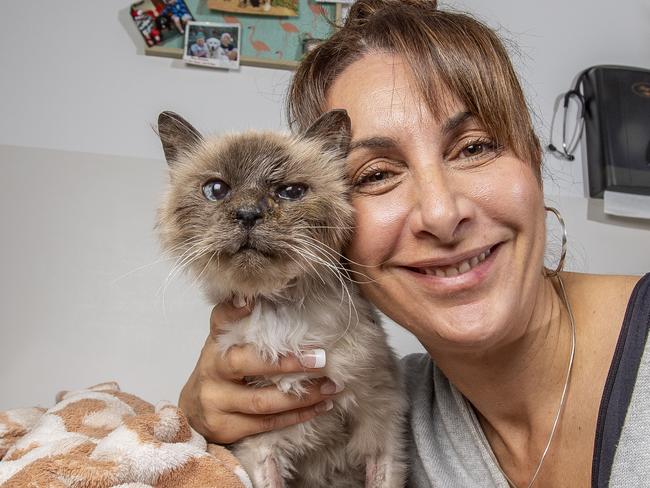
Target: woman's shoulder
pixel 601 286
pixel 602 297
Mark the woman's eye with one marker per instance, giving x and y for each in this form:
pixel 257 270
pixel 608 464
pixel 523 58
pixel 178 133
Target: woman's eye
pixel 294 191
pixel 215 190
pixel 477 149
pixel 473 150
pixel 373 176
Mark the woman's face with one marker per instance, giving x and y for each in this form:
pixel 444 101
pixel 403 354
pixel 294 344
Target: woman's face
pixel 450 227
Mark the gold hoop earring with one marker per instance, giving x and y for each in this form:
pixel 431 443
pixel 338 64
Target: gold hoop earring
pixel 560 265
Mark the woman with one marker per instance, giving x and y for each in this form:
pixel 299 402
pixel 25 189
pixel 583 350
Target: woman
pixel 445 169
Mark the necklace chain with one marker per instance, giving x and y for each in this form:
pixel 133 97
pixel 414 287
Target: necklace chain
pixel 560 408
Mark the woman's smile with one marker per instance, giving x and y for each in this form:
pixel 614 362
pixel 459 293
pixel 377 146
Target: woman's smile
pixel 453 274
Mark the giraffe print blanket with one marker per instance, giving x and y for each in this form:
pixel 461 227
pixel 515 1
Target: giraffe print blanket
pixel 103 437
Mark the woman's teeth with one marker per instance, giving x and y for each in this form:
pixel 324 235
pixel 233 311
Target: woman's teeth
pixel 460 268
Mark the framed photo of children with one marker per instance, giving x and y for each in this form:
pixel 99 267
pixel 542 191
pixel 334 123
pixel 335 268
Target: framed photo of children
pixel 212 44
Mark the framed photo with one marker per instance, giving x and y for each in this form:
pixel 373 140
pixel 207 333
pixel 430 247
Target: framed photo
pixel 274 8
pixel 160 20
pixel 212 44
pixel 176 11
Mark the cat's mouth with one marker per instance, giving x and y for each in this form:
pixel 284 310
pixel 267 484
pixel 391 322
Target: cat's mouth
pixel 247 247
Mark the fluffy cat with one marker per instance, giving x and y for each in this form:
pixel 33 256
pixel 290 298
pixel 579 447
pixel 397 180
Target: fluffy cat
pixel 264 217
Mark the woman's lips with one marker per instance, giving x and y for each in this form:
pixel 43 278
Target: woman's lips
pixel 461 274
pixel 460 267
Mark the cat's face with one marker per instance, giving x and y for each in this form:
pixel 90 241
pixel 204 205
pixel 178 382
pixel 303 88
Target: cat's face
pixel 248 213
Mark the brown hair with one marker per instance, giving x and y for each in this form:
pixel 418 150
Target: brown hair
pixel 447 52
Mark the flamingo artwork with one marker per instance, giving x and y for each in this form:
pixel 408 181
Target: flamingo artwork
pixel 317 10
pixel 288 28
pixel 259 46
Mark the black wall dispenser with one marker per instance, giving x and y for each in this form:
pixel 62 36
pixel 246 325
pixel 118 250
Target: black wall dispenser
pixel 617 125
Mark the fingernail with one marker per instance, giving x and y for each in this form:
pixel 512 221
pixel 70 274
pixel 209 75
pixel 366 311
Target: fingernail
pixel 238 301
pixel 325 406
pixel 314 358
pixel 330 388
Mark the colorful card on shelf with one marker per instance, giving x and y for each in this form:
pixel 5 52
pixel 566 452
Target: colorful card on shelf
pixel 275 8
pixel 160 20
pixel 212 44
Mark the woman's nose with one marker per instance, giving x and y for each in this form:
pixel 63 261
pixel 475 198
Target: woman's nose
pixel 440 207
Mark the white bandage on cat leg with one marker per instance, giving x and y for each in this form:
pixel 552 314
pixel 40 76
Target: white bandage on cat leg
pixel 313 358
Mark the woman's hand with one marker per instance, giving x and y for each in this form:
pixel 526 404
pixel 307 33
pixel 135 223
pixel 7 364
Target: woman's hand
pixel 222 408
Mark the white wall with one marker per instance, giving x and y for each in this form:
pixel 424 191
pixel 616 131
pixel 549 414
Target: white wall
pixel 81 173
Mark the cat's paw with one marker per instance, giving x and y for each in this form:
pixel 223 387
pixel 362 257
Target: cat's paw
pixel 295 384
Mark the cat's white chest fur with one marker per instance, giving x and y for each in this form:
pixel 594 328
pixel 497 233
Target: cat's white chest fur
pixel 275 331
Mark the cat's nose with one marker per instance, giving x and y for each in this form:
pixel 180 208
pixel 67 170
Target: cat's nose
pixel 248 217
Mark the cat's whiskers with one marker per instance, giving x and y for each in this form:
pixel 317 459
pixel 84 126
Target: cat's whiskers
pixel 317 246
pixel 341 279
pixel 190 255
pixel 312 252
pixel 345 227
pixel 164 258
pixel 334 252
pixel 176 271
pixel 290 253
pixel 186 254
pixel 311 265
pixel 198 277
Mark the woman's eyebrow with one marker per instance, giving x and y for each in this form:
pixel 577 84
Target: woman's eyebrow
pixel 383 142
pixel 455 121
pixel 377 142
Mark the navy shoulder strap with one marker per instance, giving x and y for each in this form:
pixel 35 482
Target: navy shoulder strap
pixel 620 382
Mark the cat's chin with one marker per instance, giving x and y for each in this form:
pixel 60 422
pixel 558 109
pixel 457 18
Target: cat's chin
pixel 250 274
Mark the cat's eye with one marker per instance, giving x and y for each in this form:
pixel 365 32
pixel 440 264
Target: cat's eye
pixel 216 190
pixel 294 191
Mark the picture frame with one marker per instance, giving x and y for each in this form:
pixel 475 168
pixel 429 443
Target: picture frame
pixel 154 20
pixel 266 41
pixel 212 44
pixel 273 8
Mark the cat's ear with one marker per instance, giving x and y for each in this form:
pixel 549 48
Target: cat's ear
pixel 334 129
pixel 177 135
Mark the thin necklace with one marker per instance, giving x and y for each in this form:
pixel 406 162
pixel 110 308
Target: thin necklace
pixel 559 410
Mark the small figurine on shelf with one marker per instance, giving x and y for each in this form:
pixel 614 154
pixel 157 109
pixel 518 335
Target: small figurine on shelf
pixel 179 13
pixel 145 20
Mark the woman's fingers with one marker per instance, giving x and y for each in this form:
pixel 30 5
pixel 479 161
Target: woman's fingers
pixel 239 425
pixel 269 400
pixel 241 361
pixel 226 313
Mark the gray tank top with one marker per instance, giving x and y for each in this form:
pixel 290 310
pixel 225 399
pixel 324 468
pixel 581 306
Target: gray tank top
pixel 448 449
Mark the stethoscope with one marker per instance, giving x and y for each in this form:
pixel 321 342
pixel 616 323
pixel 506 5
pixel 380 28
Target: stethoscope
pixel 569 146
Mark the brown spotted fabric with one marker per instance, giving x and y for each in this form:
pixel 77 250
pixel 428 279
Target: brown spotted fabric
pixel 102 437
